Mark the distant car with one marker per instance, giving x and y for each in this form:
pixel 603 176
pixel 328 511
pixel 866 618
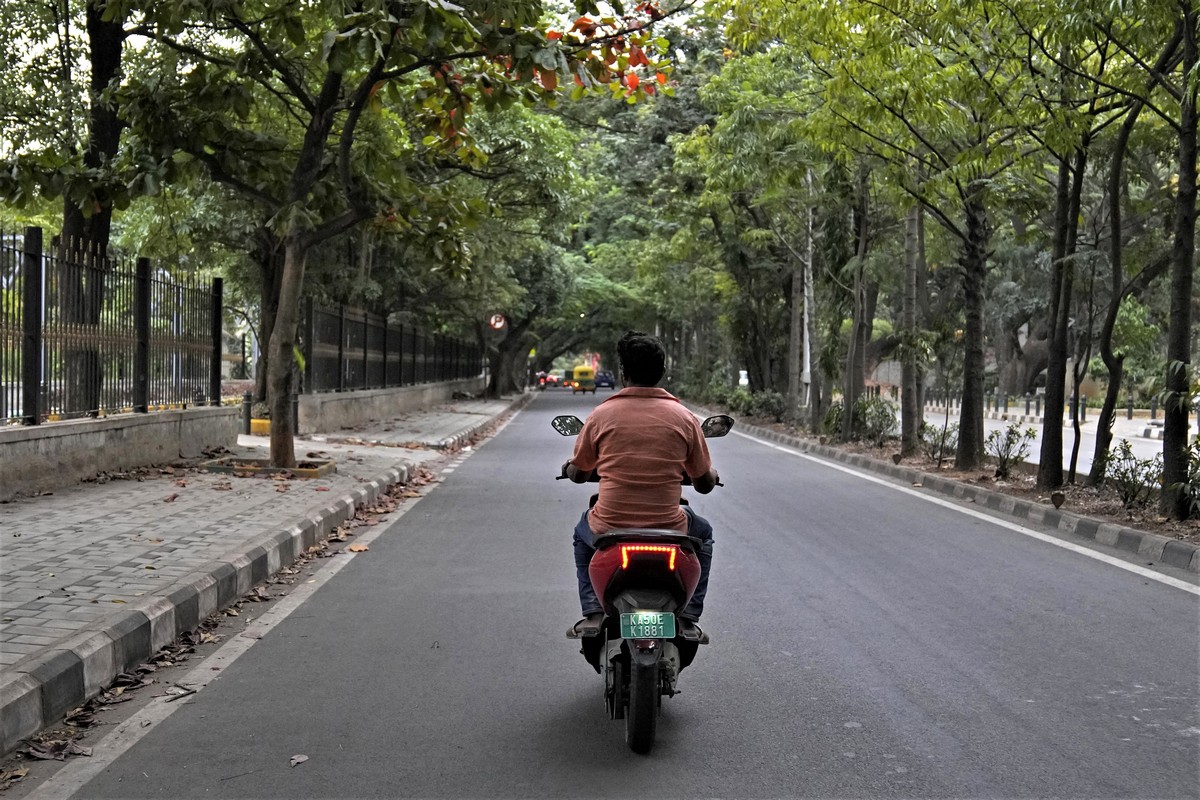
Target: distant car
pixel 605 378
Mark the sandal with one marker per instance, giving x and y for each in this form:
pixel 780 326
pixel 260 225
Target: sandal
pixel 690 630
pixel 587 627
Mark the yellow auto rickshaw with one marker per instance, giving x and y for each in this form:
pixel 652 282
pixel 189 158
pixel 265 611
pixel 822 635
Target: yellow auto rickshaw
pixel 583 380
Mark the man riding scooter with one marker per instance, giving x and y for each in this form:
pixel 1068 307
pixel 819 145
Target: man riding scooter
pixel 640 441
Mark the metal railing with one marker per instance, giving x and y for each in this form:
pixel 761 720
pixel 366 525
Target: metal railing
pixel 88 335
pixel 346 349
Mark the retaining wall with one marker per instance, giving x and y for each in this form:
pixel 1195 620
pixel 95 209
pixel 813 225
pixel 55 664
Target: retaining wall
pixel 41 458
pixel 332 411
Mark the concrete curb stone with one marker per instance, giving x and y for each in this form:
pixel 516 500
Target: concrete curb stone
pixel 41 689
pixel 1151 546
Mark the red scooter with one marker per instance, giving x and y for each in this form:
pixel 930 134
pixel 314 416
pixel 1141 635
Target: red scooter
pixel 643 577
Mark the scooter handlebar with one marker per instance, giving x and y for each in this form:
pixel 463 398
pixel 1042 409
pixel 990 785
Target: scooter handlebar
pixel 595 478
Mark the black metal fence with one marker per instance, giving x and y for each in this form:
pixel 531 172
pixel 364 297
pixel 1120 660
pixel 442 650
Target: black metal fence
pixel 346 349
pixel 90 336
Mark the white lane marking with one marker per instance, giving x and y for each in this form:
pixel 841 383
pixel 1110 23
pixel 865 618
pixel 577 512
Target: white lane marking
pixel 1021 529
pixel 75 774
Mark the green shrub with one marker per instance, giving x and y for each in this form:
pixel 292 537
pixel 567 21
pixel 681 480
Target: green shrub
pixel 1009 447
pixel 769 405
pixel 832 424
pixel 740 401
pixel 938 443
pixel 1191 484
pixel 718 391
pixel 875 419
pixel 1136 480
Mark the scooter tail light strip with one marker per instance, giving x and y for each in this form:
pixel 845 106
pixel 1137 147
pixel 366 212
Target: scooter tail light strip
pixel 669 549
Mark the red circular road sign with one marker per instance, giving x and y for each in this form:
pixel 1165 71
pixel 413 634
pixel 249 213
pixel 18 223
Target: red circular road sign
pixel 497 322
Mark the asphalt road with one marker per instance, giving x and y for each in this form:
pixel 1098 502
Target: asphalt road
pixel 867 643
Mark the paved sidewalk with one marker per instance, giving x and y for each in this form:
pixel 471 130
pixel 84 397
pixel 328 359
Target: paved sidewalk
pixel 95 578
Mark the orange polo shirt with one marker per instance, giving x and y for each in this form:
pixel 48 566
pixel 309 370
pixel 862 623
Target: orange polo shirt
pixel 641 441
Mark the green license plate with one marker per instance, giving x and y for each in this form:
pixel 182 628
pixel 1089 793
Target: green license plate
pixel 648 625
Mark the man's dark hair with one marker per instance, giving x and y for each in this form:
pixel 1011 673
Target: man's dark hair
pixel 643 360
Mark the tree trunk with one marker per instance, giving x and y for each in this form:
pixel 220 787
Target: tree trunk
pixel 1083 344
pixel 1115 362
pixel 1050 470
pixel 267 254
pixel 85 238
pixel 281 358
pixel 795 340
pixel 1173 500
pixel 860 332
pixel 809 330
pixel 910 407
pixel 507 362
pixel 974 275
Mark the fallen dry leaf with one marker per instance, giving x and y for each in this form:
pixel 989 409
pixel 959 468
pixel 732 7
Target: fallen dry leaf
pixel 12 775
pixel 55 750
pixel 298 760
pixel 358 548
pixel 321 488
pixel 171 498
pixel 181 483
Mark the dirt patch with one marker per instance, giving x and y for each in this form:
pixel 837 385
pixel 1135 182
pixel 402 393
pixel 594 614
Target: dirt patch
pixel 1102 504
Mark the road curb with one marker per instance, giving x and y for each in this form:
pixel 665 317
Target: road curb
pixel 40 690
pixel 461 438
pixel 1151 546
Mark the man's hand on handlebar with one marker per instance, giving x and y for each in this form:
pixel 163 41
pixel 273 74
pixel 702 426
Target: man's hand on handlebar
pixel 574 474
pixel 707 482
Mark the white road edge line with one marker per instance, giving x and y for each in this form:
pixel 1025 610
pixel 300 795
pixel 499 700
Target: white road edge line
pixel 75 774
pixel 1021 529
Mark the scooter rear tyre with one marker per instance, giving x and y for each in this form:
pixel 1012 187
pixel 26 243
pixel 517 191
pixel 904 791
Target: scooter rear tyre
pixel 642 717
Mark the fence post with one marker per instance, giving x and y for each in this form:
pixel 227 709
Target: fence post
pixel 1129 406
pixel 1028 402
pixel 141 328
pixel 218 308
pixel 366 352
pixel 386 330
pixel 440 344
pixel 310 343
pixel 31 322
pixel 1154 408
pixel 341 348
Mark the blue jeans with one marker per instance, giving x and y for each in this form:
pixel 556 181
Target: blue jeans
pixel 585 548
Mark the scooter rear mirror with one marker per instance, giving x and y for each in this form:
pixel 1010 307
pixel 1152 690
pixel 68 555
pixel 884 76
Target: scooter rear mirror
pixel 567 424
pixel 717 426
